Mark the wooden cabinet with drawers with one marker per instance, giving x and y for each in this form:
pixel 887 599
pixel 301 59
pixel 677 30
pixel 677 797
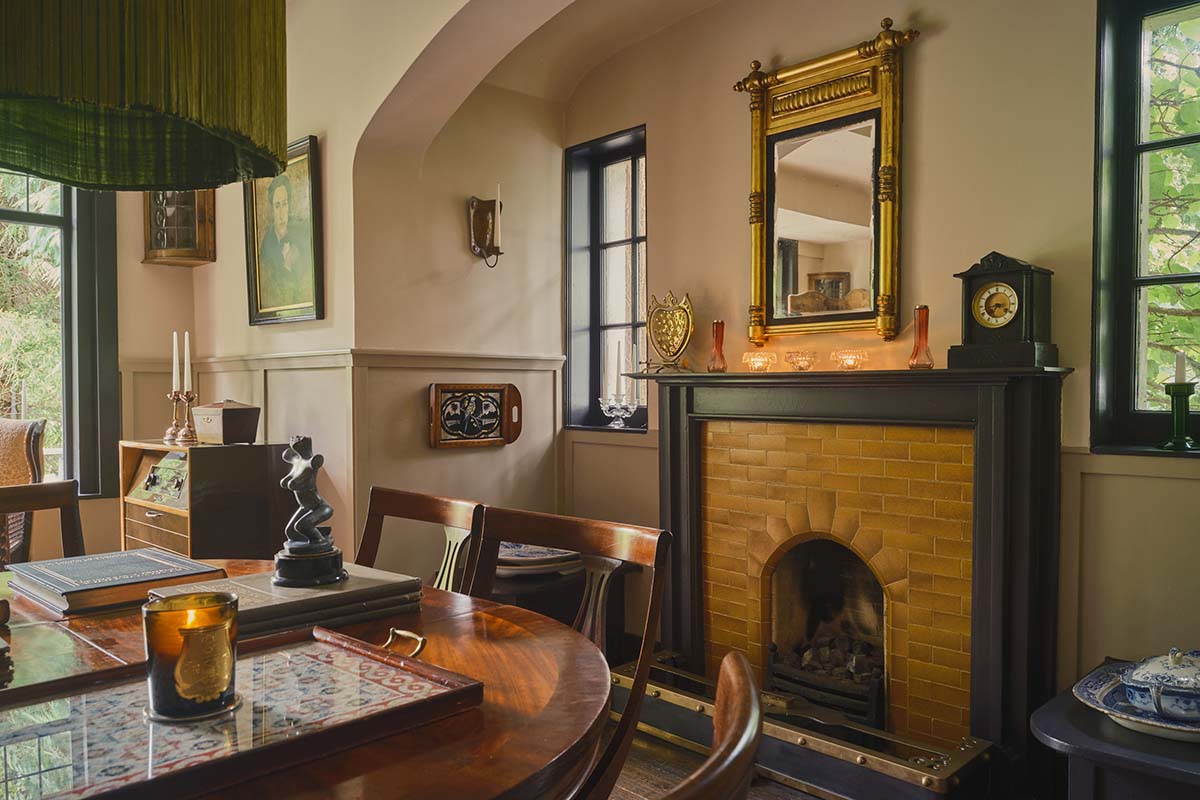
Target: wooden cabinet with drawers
pixel 204 501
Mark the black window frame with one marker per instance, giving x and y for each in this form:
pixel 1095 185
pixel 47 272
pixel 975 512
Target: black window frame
pixel 91 373
pixel 1117 426
pixel 583 258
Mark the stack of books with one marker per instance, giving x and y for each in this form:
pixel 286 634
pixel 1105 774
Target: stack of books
pixel 523 560
pixel 265 608
pixel 108 580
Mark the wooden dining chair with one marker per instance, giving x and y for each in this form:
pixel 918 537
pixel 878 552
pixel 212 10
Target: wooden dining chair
pixel 61 495
pixel 21 462
pixel 458 518
pixel 737 727
pixel 605 543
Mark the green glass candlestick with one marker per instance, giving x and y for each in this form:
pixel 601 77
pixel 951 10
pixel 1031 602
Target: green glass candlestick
pixel 1179 394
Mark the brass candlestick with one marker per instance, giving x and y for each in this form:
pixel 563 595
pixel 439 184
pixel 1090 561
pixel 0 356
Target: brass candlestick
pixel 187 431
pixel 172 433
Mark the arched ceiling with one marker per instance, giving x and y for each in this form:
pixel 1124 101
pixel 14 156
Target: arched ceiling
pixel 558 55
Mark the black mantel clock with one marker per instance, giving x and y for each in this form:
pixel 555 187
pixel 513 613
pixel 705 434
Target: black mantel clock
pixel 1006 316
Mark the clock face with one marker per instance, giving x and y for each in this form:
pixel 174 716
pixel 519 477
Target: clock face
pixel 994 305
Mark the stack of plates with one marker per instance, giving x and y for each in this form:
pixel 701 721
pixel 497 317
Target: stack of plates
pixel 521 560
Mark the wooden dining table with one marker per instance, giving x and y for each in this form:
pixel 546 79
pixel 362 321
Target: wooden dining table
pixel 546 699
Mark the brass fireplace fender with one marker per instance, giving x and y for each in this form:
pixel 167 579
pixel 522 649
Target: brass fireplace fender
pixel 939 775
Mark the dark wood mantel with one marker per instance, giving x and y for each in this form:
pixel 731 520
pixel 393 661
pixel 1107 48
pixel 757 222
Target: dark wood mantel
pixel 1016 416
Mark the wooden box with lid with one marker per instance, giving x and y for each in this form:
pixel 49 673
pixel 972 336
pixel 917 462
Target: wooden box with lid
pixel 204 501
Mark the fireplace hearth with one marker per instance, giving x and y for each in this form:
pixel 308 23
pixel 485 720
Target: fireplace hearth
pixel 942 486
pixel 827 623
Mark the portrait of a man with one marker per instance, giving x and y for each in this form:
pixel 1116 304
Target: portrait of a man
pixel 284 271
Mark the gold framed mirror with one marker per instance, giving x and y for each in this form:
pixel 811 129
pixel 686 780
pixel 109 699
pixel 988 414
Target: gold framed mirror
pixel 824 191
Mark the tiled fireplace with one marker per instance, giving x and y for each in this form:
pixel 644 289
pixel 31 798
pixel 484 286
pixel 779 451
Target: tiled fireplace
pixel 880 543
pixel 898 498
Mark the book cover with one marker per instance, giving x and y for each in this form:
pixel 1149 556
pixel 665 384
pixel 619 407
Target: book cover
pixel 259 600
pixel 67 576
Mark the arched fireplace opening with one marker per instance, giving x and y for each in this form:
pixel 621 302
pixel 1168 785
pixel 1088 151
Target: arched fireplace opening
pixel 827 631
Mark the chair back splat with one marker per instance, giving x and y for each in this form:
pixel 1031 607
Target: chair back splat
pixel 604 546
pixel 458 518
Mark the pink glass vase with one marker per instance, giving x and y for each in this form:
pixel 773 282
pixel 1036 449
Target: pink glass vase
pixel 921 358
pixel 716 361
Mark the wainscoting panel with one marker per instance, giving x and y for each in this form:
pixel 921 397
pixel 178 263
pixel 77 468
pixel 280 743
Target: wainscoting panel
pixel 145 409
pixel 392 444
pixel 1130 546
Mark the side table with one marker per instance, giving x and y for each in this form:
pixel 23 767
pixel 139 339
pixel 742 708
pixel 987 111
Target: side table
pixel 1105 760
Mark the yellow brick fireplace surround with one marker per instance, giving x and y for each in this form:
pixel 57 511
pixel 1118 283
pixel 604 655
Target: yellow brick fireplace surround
pixel 898 496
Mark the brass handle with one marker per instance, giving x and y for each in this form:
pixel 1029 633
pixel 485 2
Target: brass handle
pixel 396 633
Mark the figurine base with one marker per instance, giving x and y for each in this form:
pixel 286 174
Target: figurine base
pixel 308 569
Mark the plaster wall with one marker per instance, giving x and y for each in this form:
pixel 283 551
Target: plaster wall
pixel 977 176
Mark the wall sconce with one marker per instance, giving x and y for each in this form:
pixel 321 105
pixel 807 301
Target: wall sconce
pixel 759 360
pixel 483 222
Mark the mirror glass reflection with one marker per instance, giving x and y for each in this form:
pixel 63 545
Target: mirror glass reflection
pixel 823 214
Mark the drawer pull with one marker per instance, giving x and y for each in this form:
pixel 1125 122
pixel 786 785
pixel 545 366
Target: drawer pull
pixel 154 514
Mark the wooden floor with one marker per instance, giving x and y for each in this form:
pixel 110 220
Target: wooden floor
pixel 654 766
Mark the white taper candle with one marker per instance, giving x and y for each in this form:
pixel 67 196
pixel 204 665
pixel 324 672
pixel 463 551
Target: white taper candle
pixel 174 361
pixel 497 215
pixel 1180 367
pixel 620 366
pixel 187 361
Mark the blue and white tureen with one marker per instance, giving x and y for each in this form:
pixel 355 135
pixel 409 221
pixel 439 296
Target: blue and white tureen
pixel 1168 686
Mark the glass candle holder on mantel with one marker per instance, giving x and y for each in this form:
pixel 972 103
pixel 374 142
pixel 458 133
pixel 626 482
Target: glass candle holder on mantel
pixel 759 360
pixel 801 360
pixel 191 655
pixel 848 359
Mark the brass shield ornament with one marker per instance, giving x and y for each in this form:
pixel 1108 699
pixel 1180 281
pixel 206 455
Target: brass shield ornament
pixel 670 325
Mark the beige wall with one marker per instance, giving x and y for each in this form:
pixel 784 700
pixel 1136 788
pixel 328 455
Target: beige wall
pixel 343 60
pixel 430 311
pixel 962 195
pixel 997 155
pixel 420 286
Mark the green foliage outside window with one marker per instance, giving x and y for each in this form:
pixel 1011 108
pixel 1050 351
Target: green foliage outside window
pixel 31 258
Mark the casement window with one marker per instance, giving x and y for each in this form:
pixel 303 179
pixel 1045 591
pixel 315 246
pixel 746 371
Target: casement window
pixel 605 204
pixel 58 324
pixel 1147 259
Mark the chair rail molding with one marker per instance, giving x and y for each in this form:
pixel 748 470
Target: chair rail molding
pixel 352 389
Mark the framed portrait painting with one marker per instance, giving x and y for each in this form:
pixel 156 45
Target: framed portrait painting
pixel 285 273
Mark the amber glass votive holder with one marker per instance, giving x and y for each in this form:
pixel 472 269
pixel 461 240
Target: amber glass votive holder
pixel 191 656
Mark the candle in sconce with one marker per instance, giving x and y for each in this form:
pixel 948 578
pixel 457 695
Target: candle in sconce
pixel 1180 367
pixel 174 361
pixel 497 215
pixel 620 367
pixel 187 361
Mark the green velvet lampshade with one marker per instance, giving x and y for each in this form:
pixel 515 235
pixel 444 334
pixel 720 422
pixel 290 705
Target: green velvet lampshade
pixel 143 94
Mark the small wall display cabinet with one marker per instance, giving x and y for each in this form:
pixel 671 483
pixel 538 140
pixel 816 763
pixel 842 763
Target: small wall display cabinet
pixel 181 228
